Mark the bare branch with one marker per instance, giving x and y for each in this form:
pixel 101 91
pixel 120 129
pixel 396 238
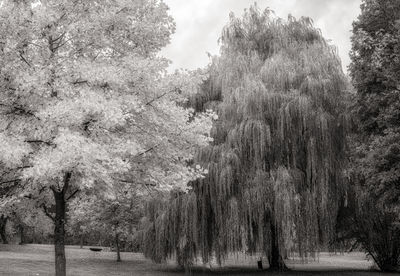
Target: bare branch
pixel 24 60
pixel 39 142
pixel 148 150
pixel 79 82
pixel 73 194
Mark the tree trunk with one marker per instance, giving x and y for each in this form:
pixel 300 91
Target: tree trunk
pixel 21 234
pixel 81 241
pixel 276 262
pixel 59 234
pixel 179 258
pixel 3 223
pixel 117 246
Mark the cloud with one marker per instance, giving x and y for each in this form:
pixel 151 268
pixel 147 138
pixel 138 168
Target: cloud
pixel 199 24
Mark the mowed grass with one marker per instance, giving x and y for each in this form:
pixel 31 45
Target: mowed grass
pixel 39 260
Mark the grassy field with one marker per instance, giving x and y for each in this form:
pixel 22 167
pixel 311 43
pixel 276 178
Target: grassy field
pixel 38 260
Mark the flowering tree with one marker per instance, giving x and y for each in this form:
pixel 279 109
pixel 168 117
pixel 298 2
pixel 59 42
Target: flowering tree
pixel 85 103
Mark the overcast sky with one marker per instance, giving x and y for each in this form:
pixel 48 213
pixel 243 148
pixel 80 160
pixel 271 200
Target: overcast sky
pixel 199 24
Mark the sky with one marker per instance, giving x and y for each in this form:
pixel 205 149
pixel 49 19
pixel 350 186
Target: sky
pixel 199 24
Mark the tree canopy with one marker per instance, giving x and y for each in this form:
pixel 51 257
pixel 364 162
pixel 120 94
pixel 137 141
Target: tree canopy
pixel 86 103
pixel 375 70
pixel 375 150
pixel 276 163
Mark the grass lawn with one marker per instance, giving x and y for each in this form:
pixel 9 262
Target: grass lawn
pixel 38 260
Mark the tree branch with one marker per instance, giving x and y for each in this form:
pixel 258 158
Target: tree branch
pixel 72 195
pixel 146 185
pixel 60 36
pixel 34 44
pixel 46 212
pixel 79 82
pixel 87 124
pixel 121 10
pixel 67 178
pixel 148 189
pixel 10 181
pixel 148 150
pixel 15 108
pixel 162 95
pixel 39 142
pixel 82 48
pixel 14 169
pixel 59 45
pixel 24 60
pixel 131 182
pixel 53 189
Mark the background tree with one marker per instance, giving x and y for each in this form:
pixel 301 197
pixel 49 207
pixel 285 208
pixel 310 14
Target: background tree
pixel 276 164
pixel 116 214
pixel 84 103
pixel 4 217
pixel 375 71
pixel 25 217
pixel 375 156
pixel 8 206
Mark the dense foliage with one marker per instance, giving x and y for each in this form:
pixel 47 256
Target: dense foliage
pixel 85 103
pixel 114 216
pixel 375 70
pixel 94 134
pixel 375 156
pixel 276 164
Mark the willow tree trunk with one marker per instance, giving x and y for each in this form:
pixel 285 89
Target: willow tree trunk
pixel 117 246
pixel 59 233
pixel 3 223
pixel 276 262
pixel 81 241
pixel 180 258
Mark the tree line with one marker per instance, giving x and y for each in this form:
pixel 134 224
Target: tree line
pixel 271 149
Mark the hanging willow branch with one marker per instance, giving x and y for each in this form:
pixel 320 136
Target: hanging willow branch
pixel 275 167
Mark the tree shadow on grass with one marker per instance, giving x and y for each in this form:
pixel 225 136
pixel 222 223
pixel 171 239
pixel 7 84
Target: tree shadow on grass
pixel 246 271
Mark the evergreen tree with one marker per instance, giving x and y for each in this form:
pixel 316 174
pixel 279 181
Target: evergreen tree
pixel 276 164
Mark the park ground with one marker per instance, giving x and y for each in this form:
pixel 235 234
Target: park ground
pixel 38 260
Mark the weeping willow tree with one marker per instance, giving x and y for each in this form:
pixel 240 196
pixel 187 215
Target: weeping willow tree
pixel 275 167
